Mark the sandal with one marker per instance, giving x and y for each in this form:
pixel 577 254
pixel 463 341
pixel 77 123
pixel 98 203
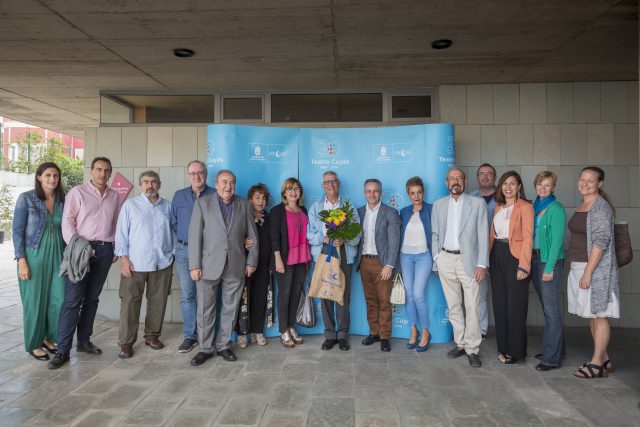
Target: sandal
pixel 606 365
pixel 587 371
pixel 505 359
pixel 51 350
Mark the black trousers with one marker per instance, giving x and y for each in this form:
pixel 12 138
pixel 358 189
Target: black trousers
pixel 258 285
pixel 332 311
pixel 510 301
pixel 289 292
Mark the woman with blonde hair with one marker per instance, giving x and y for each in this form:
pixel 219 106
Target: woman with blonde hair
pixel 416 262
pixel 593 289
pixel 291 255
pixel 547 261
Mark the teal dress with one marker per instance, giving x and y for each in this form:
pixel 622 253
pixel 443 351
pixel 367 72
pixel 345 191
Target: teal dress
pixel 43 294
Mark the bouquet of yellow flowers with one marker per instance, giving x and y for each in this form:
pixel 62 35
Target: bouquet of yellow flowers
pixel 339 222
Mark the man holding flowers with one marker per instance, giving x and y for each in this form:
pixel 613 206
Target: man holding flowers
pixel 327 214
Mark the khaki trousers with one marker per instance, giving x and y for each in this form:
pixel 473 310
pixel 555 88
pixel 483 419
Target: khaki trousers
pixel 377 294
pixel 463 299
pixel 158 284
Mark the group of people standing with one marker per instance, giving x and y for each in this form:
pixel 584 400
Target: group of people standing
pixel 525 242
pixel 221 243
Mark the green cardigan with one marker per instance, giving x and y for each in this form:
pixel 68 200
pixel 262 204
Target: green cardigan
pixel 551 235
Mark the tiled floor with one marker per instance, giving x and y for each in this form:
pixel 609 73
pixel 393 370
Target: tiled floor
pixel 306 386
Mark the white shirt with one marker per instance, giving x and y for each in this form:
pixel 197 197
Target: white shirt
pixel 451 242
pixel 414 242
pixel 328 205
pixel 369 230
pixel 501 222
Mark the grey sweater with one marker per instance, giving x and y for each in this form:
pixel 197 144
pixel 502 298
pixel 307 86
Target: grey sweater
pixel 604 280
pixel 75 260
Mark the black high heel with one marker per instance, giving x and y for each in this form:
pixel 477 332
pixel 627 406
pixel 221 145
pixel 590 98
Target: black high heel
pixel 42 358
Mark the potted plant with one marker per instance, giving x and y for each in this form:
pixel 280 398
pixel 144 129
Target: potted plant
pixel 6 211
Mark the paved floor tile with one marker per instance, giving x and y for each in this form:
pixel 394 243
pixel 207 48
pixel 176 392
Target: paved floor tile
pixel 99 419
pixel 279 418
pixel 124 396
pixel 337 411
pixel 192 418
pixel 291 397
pixel 16 416
pixel 242 410
pixel 65 411
pixel 154 410
pixel 333 385
pixel 256 383
pixel 378 420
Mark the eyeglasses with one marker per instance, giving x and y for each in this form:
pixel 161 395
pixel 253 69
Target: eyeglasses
pixel 294 189
pixel 330 182
pixel 199 173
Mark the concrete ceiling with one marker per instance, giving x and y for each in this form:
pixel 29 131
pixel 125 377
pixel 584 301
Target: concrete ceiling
pixel 56 55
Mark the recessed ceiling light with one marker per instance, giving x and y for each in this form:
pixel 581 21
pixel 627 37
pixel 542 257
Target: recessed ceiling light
pixel 183 53
pixel 441 44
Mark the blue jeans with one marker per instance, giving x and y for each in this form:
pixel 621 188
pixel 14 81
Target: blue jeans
pixel 81 299
pixel 553 346
pixel 416 269
pixel 187 292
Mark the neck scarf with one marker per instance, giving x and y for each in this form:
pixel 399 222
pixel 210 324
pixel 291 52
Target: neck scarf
pixel 540 205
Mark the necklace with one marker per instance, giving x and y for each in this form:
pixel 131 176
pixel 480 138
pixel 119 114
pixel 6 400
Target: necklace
pixel 296 212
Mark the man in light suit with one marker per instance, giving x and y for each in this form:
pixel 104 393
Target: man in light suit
pixel 460 253
pixel 377 257
pixel 220 222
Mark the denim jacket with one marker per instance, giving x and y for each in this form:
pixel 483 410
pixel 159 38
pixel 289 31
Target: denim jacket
pixel 29 220
pixel 425 217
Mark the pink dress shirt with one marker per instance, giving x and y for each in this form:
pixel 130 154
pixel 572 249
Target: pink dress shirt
pixel 90 214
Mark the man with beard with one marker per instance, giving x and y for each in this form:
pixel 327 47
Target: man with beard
pixel 145 242
pixel 460 245
pixel 486 176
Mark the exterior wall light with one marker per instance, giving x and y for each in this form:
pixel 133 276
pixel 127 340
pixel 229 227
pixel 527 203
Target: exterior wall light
pixel 183 53
pixel 441 44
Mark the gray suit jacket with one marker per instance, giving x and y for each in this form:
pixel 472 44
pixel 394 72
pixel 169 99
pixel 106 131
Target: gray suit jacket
pixel 473 234
pixel 211 245
pixel 387 236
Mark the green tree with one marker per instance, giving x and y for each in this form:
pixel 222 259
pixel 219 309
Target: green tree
pixel 33 152
pixel 6 208
pixel 29 151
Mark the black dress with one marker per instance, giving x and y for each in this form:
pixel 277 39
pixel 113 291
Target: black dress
pixel 258 283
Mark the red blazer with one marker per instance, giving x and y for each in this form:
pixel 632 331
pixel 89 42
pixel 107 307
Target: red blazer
pixel 520 232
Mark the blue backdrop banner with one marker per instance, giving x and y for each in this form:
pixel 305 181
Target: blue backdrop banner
pixel 391 154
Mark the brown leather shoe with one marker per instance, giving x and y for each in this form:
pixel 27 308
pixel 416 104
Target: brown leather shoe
pixel 126 352
pixel 154 343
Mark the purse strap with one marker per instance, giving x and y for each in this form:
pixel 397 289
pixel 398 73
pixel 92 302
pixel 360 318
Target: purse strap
pixel 397 280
